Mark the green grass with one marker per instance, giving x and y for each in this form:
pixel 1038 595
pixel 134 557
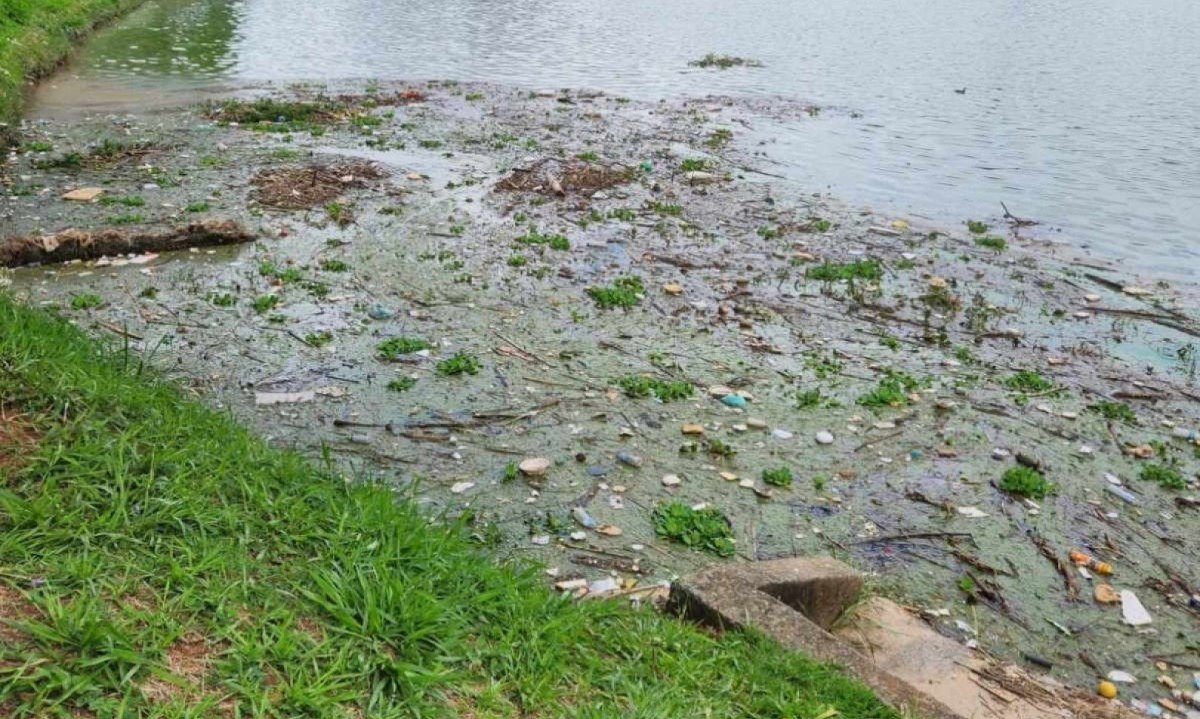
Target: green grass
pixel 856 270
pixel 975 227
pixel 1026 482
pixel 396 346
pixel 36 35
pixel 704 530
pixel 694 164
pixel 640 386
pixel 622 292
pixel 664 208
pixel 198 206
pixel 144 526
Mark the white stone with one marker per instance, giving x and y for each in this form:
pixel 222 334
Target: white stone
pixel 824 437
pixel 534 466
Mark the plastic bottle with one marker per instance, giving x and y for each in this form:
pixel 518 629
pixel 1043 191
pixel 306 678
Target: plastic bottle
pixel 1090 562
pixel 1123 493
pixel 1184 433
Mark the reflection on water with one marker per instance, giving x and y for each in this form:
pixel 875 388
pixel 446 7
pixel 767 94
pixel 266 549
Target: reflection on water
pixel 1084 113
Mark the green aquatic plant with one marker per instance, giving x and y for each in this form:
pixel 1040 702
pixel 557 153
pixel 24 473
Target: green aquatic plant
pixel 1026 482
pixel 621 292
pixel 640 386
pixel 778 477
pixel 705 530
pixel 396 346
pixel 458 363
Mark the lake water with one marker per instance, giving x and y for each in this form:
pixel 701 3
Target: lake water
pixel 1084 114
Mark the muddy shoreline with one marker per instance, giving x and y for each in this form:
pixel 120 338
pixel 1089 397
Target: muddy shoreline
pixel 899 340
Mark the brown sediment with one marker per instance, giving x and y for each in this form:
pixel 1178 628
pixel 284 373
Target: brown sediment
pixel 300 188
pixel 17 440
pixel 551 177
pixel 79 244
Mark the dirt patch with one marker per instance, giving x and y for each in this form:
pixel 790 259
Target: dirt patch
pixel 17 440
pixel 550 177
pixel 13 608
pixel 301 188
pixel 76 244
pixel 188 659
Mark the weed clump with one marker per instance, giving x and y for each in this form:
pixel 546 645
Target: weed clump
pixel 858 270
pixel 705 530
pixel 992 242
pixel 459 363
pixel 639 387
pixel 778 477
pixel 724 62
pixel 1028 381
pixel 318 339
pixel 86 301
pixel 975 227
pixel 1114 411
pixel 553 241
pixel 265 303
pixel 1026 482
pixel 1168 477
pixel 892 390
pixel 397 346
pixel 623 292
pixel 401 384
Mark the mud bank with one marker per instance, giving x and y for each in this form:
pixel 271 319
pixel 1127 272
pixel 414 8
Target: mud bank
pixel 901 373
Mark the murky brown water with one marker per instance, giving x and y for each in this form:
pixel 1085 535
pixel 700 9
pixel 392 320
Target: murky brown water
pixel 1082 114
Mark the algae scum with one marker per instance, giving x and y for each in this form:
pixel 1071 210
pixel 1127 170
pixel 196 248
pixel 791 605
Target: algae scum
pixel 450 280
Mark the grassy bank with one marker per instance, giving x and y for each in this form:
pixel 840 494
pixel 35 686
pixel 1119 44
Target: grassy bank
pixel 36 35
pixel 157 560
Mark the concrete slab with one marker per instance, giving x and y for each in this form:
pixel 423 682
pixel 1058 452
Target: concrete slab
pixel 910 666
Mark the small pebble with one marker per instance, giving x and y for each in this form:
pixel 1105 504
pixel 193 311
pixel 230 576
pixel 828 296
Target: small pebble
pixel 671 480
pixel 631 460
pixel 756 423
pixel 781 434
pixel 824 437
pixel 534 466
